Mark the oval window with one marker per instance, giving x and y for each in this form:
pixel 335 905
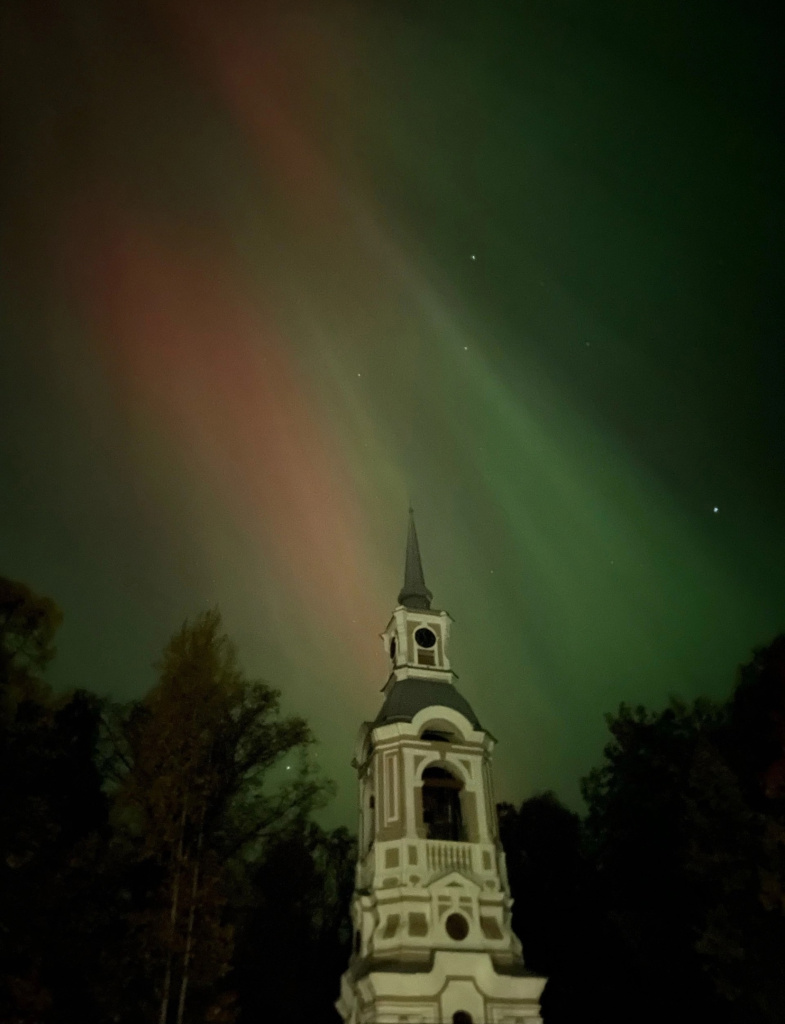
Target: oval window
pixel 425 637
pixel 457 927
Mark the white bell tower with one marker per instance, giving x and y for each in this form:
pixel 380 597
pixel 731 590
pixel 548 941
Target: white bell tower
pixel 433 942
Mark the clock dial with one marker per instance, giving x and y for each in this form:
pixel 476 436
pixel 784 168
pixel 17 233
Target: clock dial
pixel 425 637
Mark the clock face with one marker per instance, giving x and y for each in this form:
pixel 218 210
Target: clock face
pixel 425 637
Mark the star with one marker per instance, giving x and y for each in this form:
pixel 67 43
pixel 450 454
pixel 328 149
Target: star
pixel 715 509
pixel 473 257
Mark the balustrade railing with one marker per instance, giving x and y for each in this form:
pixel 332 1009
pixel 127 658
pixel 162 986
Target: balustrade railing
pixel 442 856
pixel 406 858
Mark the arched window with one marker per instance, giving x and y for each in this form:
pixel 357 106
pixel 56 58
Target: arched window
pixel 441 805
pixel 461 1017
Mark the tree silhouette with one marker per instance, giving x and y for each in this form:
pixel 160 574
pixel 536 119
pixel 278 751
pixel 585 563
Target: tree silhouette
pixel 668 899
pixel 50 805
pixel 296 924
pixel 194 800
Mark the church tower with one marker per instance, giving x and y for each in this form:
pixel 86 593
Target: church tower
pixel 433 943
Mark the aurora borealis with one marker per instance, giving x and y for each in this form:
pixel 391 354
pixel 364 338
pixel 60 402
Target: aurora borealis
pixel 271 271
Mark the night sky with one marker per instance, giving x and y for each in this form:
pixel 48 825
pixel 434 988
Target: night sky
pixel 273 271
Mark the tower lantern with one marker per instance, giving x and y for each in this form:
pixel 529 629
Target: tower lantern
pixel 433 942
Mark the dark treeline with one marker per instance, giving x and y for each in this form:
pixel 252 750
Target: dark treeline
pixel 667 900
pixel 159 862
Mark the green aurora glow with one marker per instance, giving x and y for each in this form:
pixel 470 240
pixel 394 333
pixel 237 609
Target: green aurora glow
pixel 519 263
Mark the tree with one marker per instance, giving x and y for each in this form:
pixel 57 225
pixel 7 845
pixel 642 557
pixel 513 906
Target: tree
pixel 296 913
pixel 196 795
pixel 747 932
pixel 687 846
pixel 640 831
pixel 757 725
pixel 553 914
pixel 50 804
pixel 28 623
pixel 668 899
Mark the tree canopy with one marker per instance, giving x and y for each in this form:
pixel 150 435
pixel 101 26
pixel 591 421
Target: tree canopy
pixel 194 796
pixel 136 840
pixel 666 899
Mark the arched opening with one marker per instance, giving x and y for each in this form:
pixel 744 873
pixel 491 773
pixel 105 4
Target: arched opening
pixel 441 805
pixel 461 1017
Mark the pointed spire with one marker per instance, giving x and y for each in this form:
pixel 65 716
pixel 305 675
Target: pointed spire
pixel 414 593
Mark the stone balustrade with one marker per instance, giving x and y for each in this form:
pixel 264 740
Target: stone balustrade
pixel 416 861
pixel 447 856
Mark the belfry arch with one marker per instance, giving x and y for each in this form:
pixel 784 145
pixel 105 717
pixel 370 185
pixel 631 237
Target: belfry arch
pixel 442 811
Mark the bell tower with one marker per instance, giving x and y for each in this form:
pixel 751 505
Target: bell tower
pixel 433 943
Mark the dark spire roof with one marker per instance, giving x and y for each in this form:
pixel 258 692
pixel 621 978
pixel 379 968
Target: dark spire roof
pixel 414 593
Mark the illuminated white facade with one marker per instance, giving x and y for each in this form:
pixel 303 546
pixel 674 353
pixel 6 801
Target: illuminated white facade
pixel 433 943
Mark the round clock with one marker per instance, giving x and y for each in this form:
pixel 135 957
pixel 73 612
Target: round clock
pixel 425 637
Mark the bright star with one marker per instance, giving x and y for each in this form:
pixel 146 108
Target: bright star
pixel 473 256
pixel 715 509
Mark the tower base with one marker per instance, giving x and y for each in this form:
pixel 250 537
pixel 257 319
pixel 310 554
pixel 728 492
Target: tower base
pixel 460 986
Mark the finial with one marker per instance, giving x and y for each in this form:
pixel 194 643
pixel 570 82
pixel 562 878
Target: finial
pixel 414 593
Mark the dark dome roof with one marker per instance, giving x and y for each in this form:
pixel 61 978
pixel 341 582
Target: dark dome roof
pixel 408 696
